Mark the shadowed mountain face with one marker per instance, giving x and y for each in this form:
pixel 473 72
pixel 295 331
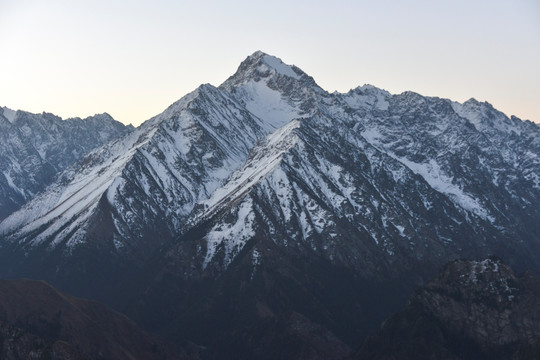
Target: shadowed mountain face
pixel 268 211
pixel 471 310
pixel 290 307
pixel 39 322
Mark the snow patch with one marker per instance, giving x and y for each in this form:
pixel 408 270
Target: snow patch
pixel 9 114
pixel 279 182
pixel 12 185
pixel 401 229
pixel 256 258
pixel 280 67
pixel 118 244
pixel 435 177
pixel 255 261
pixel 367 96
pixel 232 236
pixel 113 188
pixel 267 104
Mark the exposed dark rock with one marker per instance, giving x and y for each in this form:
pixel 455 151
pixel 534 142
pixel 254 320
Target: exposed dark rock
pixel 471 310
pixel 39 322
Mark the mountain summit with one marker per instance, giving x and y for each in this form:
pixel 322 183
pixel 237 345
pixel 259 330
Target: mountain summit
pixel 269 206
pixel 261 66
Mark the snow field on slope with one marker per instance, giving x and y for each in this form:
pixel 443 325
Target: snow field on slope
pixel 264 159
pixel 435 177
pixel 9 114
pixel 475 114
pixel 267 104
pixel 232 236
pixel 280 67
pixel 62 203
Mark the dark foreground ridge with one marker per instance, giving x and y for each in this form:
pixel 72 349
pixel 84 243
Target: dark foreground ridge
pixel 471 310
pixel 39 322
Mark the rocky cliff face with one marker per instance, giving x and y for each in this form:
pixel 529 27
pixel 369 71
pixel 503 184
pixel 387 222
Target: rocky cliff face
pixel 471 310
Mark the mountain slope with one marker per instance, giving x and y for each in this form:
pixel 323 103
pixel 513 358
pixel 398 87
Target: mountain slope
pixel 35 148
pixel 39 322
pixel 423 187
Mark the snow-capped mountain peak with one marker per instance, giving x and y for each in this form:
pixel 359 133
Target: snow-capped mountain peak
pixel 273 91
pixel 484 117
pixel 260 66
pixel 367 96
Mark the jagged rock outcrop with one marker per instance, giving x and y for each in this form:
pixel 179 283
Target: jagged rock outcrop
pixel 471 310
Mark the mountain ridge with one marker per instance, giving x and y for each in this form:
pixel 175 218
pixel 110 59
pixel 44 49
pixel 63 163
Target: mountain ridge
pixel 37 147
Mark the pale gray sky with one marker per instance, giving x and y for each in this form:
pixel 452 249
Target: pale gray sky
pixel 134 58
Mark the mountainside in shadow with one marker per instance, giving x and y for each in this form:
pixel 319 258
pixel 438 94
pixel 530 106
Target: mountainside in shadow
pixel 267 213
pixel 39 322
pixel 471 310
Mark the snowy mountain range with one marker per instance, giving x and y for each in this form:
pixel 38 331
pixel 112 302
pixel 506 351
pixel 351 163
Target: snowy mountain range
pixel 305 206
pixel 35 147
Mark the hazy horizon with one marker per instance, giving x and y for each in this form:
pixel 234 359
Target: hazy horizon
pixel 133 59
